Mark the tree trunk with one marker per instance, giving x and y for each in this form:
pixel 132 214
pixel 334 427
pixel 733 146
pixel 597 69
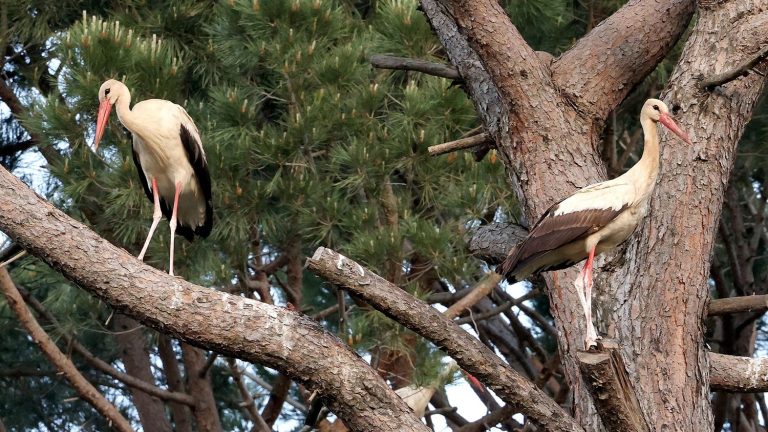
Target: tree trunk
pixel 655 297
pixel 129 335
pixel 206 414
pixel 547 125
pixel 182 420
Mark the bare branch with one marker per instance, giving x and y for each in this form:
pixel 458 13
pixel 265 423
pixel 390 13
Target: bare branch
pixel 729 305
pixel 482 289
pixel 86 390
pixel 741 70
pixel 208 364
pixel 273 336
pixel 614 397
pixel 738 374
pixel 403 63
pixel 16 147
pixel 481 139
pixel 488 421
pixel 469 353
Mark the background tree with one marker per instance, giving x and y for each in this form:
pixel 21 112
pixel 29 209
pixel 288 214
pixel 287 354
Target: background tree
pixel 308 145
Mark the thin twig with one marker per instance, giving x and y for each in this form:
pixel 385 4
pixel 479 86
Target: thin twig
pixel 85 389
pixel 730 75
pixel 481 139
pixel 403 63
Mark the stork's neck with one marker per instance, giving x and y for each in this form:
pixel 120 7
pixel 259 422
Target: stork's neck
pixel 644 173
pixel 124 113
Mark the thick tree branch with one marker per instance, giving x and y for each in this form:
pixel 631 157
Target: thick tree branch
pixel 469 353
pixel 741 70
pixel 481 139
pixel 615 400
pixel 86 391
pixel 274 336
pixel 403 63
pixel 100 364
pixel 738 374
pixel 605 65
pixel 493 242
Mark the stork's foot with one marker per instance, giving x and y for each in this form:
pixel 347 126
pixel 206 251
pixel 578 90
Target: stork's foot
pixel 590 340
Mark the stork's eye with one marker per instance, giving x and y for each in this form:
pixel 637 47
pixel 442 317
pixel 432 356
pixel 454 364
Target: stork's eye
pixel 106 92
pixel 656 107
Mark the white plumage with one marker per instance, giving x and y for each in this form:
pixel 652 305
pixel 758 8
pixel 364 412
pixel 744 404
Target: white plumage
pixel 595 219
pixel 169 156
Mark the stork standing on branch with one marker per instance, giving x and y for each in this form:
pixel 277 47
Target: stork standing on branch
pixel 169 157
pixel 593 220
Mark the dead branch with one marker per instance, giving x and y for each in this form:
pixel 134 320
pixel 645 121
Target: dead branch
pixel 729 305
pixel 403 63
pixel 100 364
pixel 738 374
pixel 611 390
pixel 469 353
pixel 85 389
pixel 482 139
pixel 203 316
pixel 208 364
pixel 267 386
pixel 740 70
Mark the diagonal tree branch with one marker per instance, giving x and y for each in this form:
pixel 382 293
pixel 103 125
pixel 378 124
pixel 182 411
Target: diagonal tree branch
pixel 270 335
pixel 85 389
pixel 469 353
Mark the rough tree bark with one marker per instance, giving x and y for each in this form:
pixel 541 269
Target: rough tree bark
pixel 546 118
pixel 234 326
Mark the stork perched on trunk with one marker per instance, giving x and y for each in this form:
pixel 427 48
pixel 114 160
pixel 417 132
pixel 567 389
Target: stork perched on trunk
pixel 169 157
pixel 595 219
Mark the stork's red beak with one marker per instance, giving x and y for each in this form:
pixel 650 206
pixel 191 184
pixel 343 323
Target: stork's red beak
pixel 670 124
pixel 101 121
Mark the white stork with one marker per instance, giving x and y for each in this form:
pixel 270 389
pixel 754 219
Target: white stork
pixel 593 220
pixel 169 157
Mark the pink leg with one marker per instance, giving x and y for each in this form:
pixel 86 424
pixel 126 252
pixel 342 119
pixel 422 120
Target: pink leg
pixel 155 219
pixel 173 221
pixel 591 339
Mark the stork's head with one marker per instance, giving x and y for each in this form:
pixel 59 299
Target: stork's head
pixel 109 92
pixel 657 111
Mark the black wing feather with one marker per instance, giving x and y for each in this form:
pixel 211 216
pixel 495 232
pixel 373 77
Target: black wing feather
pixel 197 160
pixel 552 232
